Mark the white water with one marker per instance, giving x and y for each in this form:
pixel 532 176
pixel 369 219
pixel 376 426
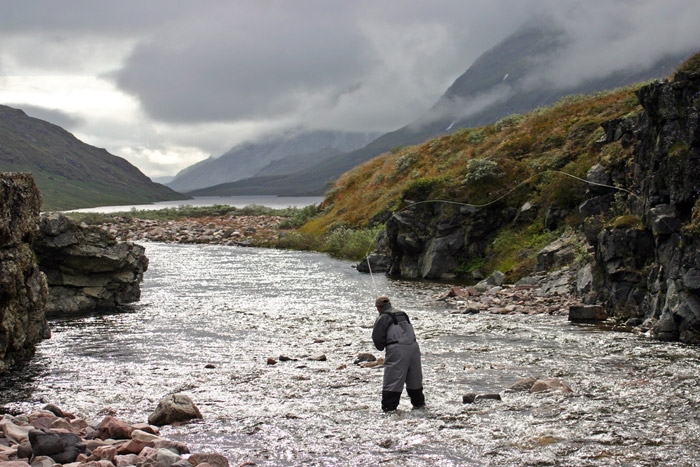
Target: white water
pixel 634 402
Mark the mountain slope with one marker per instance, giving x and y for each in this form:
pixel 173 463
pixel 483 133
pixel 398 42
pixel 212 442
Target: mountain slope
pixel 495 85
pixel 248 159
pixel 69 173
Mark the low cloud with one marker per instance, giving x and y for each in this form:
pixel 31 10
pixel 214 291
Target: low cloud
pixel 55 116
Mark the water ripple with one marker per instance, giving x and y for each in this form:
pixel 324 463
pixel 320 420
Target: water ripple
pixel 211 316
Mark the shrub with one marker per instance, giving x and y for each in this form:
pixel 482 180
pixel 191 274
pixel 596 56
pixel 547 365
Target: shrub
pixel 421 188
pixel 481 170
pixel 509 121
pixel 347 243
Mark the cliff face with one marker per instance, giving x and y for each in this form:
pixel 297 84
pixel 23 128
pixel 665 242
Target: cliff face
pixel 22 285
pixel 650 269
pixel 86 267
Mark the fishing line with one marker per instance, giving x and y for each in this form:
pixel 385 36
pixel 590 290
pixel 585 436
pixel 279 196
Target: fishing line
pixel 369 266
pixel 527 180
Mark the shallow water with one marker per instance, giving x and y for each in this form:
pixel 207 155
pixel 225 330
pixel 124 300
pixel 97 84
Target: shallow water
pixel 634 402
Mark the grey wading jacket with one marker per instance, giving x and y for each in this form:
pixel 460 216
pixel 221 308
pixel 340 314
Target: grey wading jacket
pixel 392 327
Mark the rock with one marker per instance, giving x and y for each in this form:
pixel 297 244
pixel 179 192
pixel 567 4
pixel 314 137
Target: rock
pixel 523 385
pixel 167 457
pixel 54 410
pixel 549 384
pixel 377 363
pixel 103 453
pixel 13 432
pixel 86 267
pixel 364 357
pixel 43 461
pixel 133 446
pixel 587 313
pixel 145 436
pixel 14 464
pixel 214 460
pixel 472 397
pixel 175 446
pixel 113 428
pixel 61 447
pixel 174 408
pixel 318 358
pixel 127 460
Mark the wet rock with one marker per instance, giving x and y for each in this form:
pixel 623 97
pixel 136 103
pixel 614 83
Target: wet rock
pixel 364 357
pixel 377 363
pixel 472 397
pixel 587 313
pixel 549 384
pixel 523 385
pixel 174 408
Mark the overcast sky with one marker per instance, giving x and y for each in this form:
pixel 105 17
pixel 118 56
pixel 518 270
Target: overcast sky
pixel 166 83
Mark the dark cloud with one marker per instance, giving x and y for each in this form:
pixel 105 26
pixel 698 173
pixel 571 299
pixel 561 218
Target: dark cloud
pixel 245 63
pixel 55 116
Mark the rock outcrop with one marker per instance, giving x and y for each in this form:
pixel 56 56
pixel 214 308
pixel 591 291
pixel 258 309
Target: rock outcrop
pixel 648 259
pixel 22 285
pixel 86 267
pixel 426 241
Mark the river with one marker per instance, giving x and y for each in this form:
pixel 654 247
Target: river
pixel 634 401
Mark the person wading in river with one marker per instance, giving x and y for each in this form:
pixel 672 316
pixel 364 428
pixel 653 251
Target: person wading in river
pixel 402 364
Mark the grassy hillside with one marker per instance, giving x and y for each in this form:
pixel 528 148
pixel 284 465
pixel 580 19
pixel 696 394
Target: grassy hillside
pixel 520 157
pixel 538 157
pixel 69 173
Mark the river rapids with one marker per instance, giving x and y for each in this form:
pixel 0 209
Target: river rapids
pixel 211 316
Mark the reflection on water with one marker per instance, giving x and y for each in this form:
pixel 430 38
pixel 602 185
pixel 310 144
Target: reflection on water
pixel 634 401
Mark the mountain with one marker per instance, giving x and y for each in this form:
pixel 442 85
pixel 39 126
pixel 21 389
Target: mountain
pixel 247 160
pixel 69 173
pixel 498 84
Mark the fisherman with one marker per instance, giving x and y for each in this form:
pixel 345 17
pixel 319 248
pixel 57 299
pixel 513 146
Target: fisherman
pixel 402 365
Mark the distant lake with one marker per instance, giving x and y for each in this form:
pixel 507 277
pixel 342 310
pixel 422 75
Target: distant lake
pixel 275 202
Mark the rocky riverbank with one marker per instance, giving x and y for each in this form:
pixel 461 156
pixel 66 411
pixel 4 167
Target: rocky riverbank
pixel 51 437
pixel 221 230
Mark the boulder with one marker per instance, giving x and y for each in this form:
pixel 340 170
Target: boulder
pixel 113 428
pixel 86 267
pixel 174 408
pixel 548 385
pixel 63 448
pixel 587 313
